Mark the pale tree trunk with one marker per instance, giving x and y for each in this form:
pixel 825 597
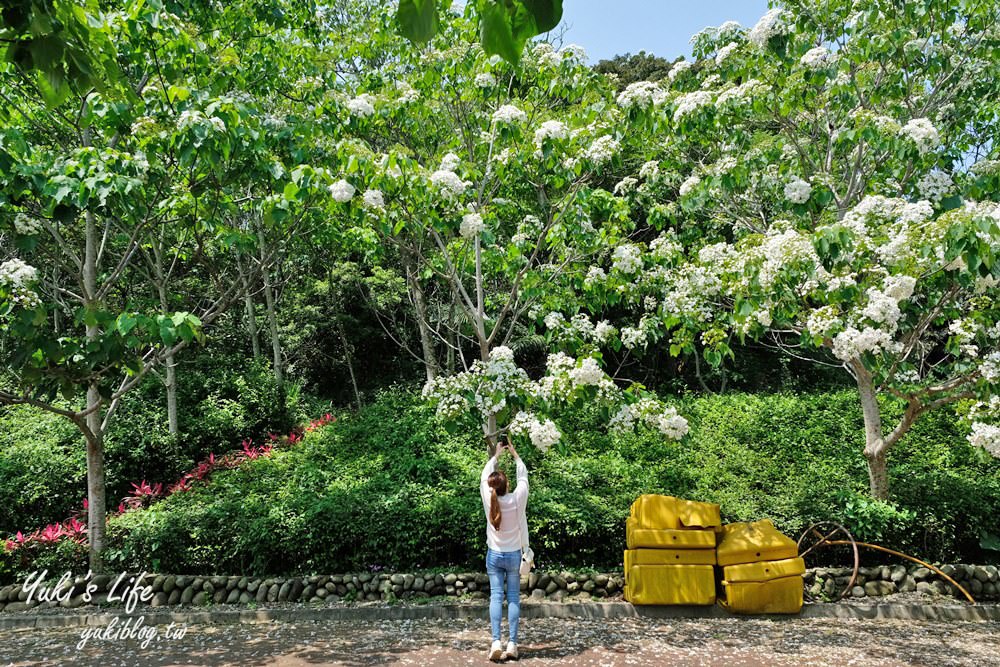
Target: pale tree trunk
pixel 251 314
pixel 420 306
pixel 171 369
pixel 272 318
pixel 490 427
pixel 348 360
pixel 96 513
pixel 876 447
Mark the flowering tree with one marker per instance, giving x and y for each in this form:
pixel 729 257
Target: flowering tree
pixel 155 167
pixel 484 180
pixel 825 183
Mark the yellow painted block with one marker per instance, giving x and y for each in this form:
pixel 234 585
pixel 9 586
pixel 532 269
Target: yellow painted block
pixel 668 557
pixel 670 584
pixel 777 596
pixel 765 570
pixel 753 542
pixel 637 537
pixel 657 511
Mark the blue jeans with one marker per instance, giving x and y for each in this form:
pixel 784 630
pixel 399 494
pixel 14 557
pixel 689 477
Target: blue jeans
pixel 501 565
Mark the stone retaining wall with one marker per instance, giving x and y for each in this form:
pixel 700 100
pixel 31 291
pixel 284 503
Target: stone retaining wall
pixel 980 580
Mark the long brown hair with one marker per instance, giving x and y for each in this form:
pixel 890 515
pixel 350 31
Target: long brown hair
pixel 497 482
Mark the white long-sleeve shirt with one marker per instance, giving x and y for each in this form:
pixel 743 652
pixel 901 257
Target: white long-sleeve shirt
pixel 512 510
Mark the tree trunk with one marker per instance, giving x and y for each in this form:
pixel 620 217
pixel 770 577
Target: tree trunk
pixel 171 368
pixel 251 314
pixel 348 361
pixel 272 318
pixel 426 341
pixel 96 514
pixel 96 510
pixel 876 449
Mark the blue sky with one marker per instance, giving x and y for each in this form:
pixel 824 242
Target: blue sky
pixel 662 27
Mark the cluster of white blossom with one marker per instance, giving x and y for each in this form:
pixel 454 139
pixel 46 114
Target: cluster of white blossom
pixel 472 225
pixel 725 52
pixel 821 321
pixel 449 182
pixel 689 184
pixel 17 277
pixel 649 170
pixel 652 414
pixel 193 117
pixel 143 125
pixel 772 24
pixel 602 150
pixel 341 191
pixel 485 80
pixel 989 368
pixel 627 258
pixel 935 185
pixel 852 343
pixel 361 106
pixel 450 162
pixel 922 132
pixel 817 58
pixel 374 199
pixel 550 129
pixel 691 102
pixel 679 68
pixel 407 93
pixel 986 436
pixel 543 434
pixel 509 114
pixel 625 186
pixel 633 337
pixel 798 191
pixel 736 95
pixel 587 373
pixel 545 54
pixel 641 94
pixel 26 225
pixel 595 276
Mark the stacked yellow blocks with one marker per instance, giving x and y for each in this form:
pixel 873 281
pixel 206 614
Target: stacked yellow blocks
pixel 761 570
pixel 671 551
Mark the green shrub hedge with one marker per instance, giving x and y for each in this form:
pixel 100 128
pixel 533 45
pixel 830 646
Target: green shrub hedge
pixel 387 487
pixel 221 401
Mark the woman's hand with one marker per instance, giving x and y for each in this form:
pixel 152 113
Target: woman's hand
pixel 510 448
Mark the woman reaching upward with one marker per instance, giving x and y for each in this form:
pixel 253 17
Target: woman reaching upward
pixel 506 531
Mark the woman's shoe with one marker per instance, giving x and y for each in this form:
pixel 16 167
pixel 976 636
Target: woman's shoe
pixel 496 651
pixel 511 652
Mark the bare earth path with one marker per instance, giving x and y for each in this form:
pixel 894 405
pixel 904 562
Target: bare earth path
pixel 550 641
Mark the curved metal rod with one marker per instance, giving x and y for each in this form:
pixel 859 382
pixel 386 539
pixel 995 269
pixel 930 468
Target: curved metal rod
pixel 825 539
pixel 915 560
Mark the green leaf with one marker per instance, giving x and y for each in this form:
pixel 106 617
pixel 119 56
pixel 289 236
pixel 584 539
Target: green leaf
pixel 496 32
pixel 547 13
pixel 990 542
pixel 418 19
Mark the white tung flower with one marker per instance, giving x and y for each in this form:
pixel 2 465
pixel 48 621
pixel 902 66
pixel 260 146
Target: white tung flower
pixel 485 80
pixel 602 150
pixel 817 58
pixel 627 258
pixel 771 24
pixel 550 129
pixel 641 94
pixel 587 373
pixel 25 225
pixel 450 162
pixel 798 191
pixel 472 225
pixel 725 52
pixel 374 199
pixel 922 132
pixel 342 191
pixel 688 185
pixel 361 106
pixel 449 182
pixel 509 114
pixel 986 436
pixel 678 68
pixel 935 185
pixel 691 102
pixel 16 274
